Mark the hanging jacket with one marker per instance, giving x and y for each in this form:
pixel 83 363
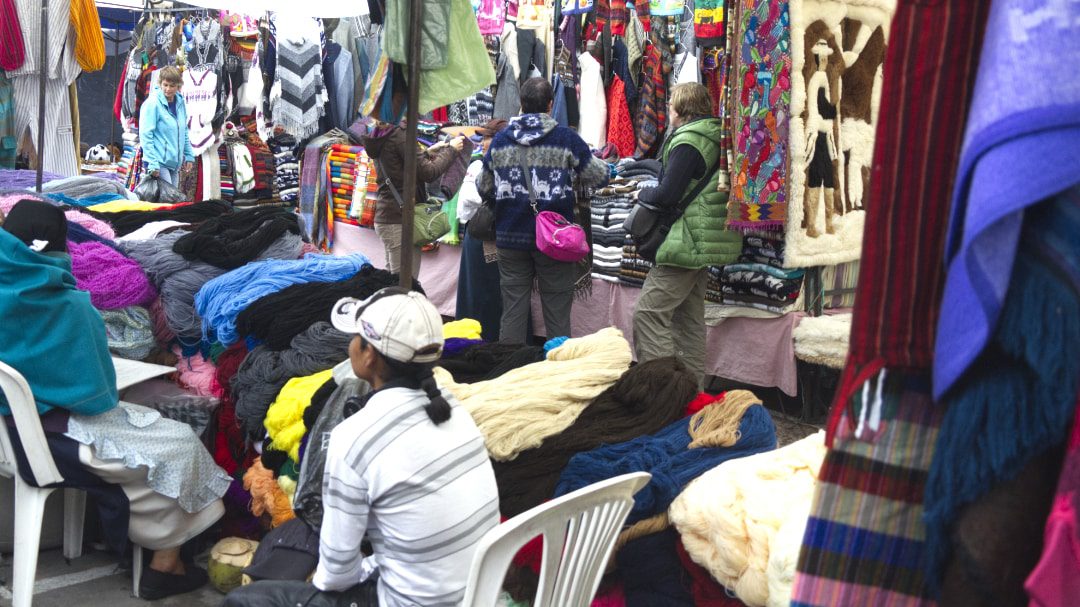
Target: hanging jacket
pixel 698 238
pixel 164 134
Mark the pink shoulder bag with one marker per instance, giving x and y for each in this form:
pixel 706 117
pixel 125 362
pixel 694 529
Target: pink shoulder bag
pixel 556 237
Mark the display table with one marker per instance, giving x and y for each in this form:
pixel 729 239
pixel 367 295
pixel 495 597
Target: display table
pixel 756 351
pixel 438 270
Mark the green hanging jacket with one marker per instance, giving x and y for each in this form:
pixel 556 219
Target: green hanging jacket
pixel 699 239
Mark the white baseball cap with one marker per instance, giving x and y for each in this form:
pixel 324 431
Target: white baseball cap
pixel 402 325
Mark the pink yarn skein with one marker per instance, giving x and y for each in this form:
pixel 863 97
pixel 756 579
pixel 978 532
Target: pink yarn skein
pixel 114 281
pixel 95 225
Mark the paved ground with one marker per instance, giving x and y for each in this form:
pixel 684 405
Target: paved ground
pixel 92 580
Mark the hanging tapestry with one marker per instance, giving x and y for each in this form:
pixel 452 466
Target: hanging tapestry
pixel 838 54
pixel 762 91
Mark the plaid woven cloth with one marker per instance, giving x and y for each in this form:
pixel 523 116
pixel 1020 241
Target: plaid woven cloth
pixel 864 538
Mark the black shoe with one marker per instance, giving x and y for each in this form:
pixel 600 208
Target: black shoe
pixel 156 585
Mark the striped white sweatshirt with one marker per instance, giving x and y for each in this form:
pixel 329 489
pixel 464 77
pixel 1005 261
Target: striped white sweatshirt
pixel 423 494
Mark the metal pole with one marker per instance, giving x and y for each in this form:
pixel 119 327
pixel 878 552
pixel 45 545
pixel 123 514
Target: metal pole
pixel 43 78
pixel 412 118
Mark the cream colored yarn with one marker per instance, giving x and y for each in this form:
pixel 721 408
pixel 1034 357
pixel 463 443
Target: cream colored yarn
pixel 521 408
pixel 743 520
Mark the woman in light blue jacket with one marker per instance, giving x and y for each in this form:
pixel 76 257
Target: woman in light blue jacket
pixel 163 129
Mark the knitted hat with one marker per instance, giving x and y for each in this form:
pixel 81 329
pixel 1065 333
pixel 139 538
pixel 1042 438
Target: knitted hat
pixel 40 225
pixel 402 325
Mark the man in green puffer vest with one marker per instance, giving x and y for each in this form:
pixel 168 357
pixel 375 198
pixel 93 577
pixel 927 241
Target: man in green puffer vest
pixel 669 319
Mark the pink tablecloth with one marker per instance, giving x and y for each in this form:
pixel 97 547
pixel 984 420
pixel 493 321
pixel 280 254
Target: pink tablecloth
pixel 754 351
pixel 438 269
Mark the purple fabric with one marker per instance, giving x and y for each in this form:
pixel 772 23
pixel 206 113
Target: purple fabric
pixel 1022 145
pixel 456 345
pixel 17 179
pixel 113 280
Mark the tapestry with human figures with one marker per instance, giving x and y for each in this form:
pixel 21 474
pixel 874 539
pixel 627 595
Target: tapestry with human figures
pixel 837 52
pixel 761 91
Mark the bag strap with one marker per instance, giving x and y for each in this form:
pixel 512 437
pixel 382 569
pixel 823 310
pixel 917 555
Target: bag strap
pixel 389 183
pixel 698 189
pixel 528 180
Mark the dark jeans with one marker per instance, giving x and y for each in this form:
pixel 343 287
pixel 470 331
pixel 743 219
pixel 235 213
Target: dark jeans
pixel 292 593
pixel 555 279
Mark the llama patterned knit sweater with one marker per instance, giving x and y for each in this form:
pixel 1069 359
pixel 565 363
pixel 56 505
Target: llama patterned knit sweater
pixel 554 155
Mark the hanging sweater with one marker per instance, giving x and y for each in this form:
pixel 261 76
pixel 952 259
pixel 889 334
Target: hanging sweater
pixel 555 155
pixel 594 111
pixel 200 93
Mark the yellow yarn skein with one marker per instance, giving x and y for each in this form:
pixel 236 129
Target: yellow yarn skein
pixel 285 418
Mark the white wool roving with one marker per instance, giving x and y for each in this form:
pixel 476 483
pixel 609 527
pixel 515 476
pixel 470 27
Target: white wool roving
pixel 518 410
pixel 823 340
pixel 730 518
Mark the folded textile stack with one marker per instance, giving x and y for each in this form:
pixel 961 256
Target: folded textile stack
pixel 228 192
pixel 642 174
pixel 634 268
pixel 761 286
pixel 127 156
pixel 286 166
pixel 713 293
pixel 365 209
pixel 135 169
pixel 261 191
pixel 611 205
pixel 763 247
pixel 344 165
pixel 609 208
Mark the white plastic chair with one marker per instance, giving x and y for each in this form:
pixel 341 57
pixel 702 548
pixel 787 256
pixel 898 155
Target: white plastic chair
pixel 579 530
pixel 30 500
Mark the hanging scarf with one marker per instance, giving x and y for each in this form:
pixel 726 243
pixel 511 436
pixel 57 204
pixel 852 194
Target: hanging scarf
pixel 651 119
pixel 12 52
pixel 89 43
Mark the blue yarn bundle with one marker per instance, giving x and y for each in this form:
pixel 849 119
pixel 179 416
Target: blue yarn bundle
pixel 667 456
pixel 87 201
pixel 1018 398
pixel 222 299
pixel 553 343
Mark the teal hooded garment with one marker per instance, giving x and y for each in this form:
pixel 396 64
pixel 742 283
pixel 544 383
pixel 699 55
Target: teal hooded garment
pixel 51 334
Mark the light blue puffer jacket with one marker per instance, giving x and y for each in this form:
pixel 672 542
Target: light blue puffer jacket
pixel 162 134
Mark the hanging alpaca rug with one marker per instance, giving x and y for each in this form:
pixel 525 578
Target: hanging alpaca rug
pixel 837 52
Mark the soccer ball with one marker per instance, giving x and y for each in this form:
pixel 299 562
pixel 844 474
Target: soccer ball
pixel 99 153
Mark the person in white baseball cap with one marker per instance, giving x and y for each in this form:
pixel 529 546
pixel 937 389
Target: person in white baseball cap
pixel 409 470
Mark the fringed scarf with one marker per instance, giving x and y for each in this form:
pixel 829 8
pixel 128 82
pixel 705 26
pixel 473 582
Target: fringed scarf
pixel 1016 401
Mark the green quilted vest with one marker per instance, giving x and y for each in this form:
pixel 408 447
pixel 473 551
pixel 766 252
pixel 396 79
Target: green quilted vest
pixel 698 238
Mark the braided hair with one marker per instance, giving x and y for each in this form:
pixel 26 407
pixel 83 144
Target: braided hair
pixel 420 376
